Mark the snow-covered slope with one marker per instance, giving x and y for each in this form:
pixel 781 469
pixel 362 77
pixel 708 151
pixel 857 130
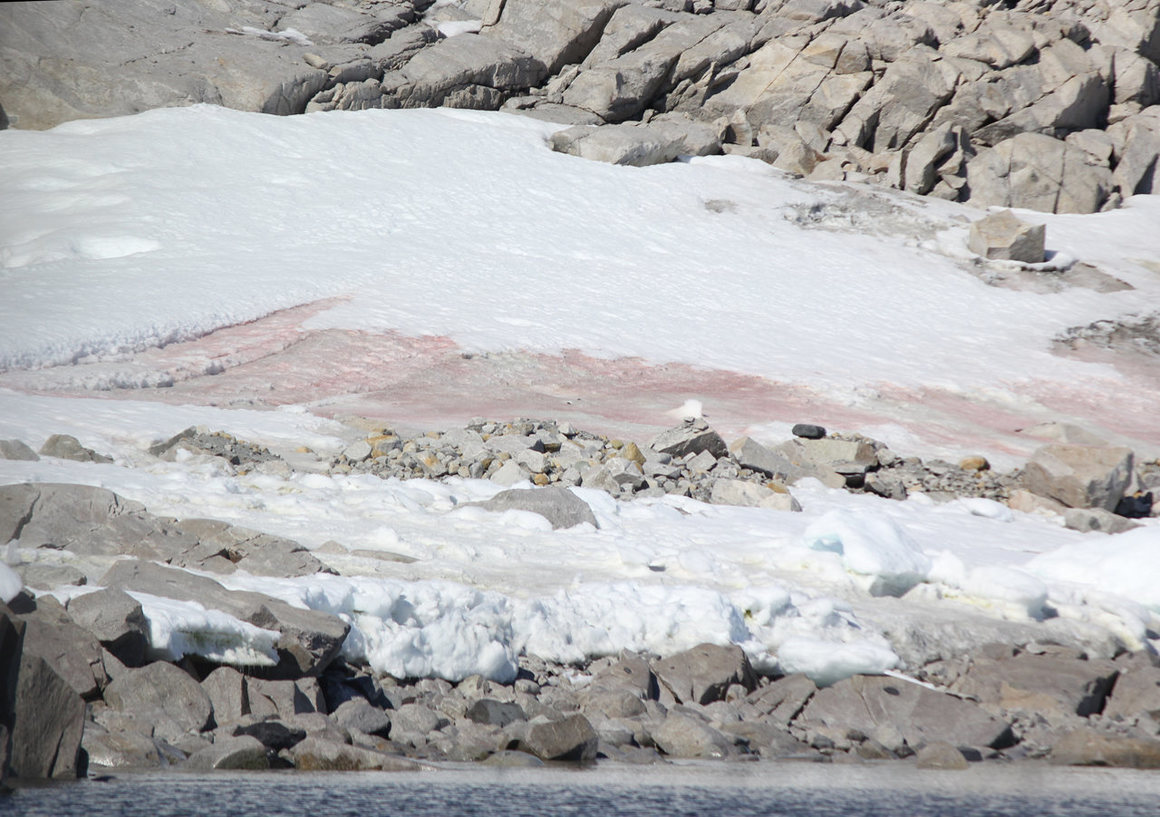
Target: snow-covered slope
pixel 121 235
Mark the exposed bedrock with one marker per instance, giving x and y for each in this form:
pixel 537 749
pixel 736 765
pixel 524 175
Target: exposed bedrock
pixel 1044 104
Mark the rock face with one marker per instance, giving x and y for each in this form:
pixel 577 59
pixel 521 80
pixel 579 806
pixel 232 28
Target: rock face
pixel 161 692
pixel 703 674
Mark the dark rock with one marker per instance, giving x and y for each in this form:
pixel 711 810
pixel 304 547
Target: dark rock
pixel 162 691
pixel 115 618
pixel 226 689
pixel 49 723
pixel 68 648
pixel 557 504
pixel 571 738
pixel 243 752
pixel 1135 506
pixel 274 735
pixel 284 698
pixel 767 739
pixel 808 431
pixel 703 674
pixel 495 713
pixel 93 521
pixel 359 714
pixel 691 437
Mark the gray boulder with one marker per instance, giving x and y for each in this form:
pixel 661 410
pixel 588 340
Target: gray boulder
pixel 691 437
pixel 113 750
pixel 87 521
pixel 161 692
pixel 570 738
pixel 320 754
pixel 284 698
pixel 1080 476
pixel 17 450
pixel 495 713
pixel 46 576
pixel 359 714
pixel 920 715
pixel 1054 688
pixel 557 504
pixel 681 735
pixel 116 620
pixel 703 674
pixel 1006 237
pixel 226 689
pixel 1096 519
pixel 639 145
pixel 1136 698
pixel 940 755
pixel 67 447
pixel 241 752
pixel 767 739
pixel 1087 747
pixel 48 725
pixel 783 699
pixel 751 495
pixel 69 649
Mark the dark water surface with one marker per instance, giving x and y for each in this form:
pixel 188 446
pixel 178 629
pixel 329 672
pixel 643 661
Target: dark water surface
pixel 733 790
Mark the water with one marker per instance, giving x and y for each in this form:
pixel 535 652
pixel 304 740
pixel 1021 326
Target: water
pixel 733 790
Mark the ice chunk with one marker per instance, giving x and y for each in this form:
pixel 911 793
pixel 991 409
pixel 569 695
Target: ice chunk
pixel 873 546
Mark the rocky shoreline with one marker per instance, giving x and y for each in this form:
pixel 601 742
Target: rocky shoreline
pixel 87 690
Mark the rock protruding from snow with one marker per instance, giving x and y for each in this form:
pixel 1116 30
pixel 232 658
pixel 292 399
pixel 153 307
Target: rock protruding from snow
pixel 557 504
pixel 691 437
pixel 1080 476
pixel 1004 236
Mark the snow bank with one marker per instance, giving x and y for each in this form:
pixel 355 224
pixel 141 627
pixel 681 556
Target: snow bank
pixel 180 628
pixel 873 546
pixel 160 210
pixel 1125 565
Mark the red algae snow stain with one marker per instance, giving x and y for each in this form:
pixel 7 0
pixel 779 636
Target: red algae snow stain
pixel 430 382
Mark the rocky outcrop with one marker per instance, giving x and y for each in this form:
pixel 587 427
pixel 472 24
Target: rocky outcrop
pixel 1050 107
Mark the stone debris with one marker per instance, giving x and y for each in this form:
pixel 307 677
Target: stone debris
pixel 1049 106
pixel 112 698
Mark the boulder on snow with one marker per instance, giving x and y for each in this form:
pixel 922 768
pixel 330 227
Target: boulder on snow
pixel 555 503
pixel 1080 476
pixel 17 450
pixel 1004 236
